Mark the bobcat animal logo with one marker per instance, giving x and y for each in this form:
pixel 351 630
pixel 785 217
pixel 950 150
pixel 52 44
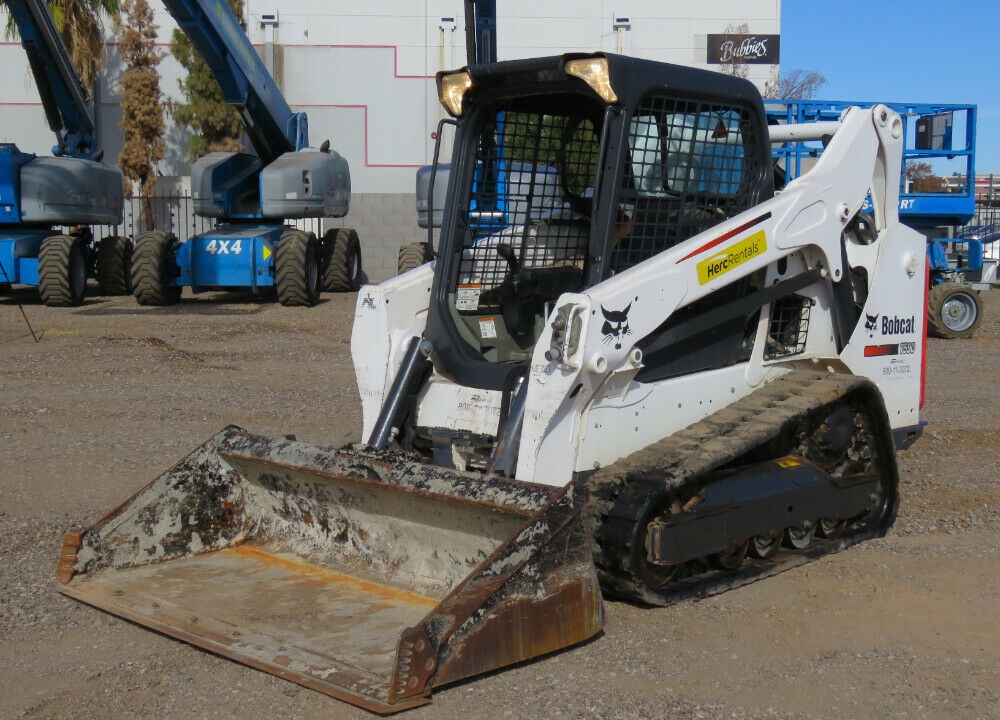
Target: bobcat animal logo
pixel 870 321
pixel 615 325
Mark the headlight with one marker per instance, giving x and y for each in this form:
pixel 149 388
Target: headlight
pixel 451 91
pixel 594 72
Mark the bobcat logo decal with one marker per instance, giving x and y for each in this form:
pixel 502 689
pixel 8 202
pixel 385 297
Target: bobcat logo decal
pixel 870 323
pixel 615 325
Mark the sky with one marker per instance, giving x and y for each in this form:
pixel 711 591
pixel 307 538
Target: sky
pixel 906 51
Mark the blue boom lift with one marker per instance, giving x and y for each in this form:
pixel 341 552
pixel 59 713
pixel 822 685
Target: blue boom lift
pixel 251 195
pixel 933 133
pixel 957 277
pixel 40 194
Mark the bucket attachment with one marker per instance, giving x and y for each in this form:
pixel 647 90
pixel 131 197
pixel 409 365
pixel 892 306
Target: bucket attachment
pixel 362 574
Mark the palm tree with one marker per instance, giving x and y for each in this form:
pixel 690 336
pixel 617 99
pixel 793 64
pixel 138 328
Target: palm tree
pixel 82 30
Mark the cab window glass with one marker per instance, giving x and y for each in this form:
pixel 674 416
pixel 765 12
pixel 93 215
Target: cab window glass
pixel 690 166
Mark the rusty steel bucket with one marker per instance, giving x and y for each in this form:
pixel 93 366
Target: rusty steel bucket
pixel 362 574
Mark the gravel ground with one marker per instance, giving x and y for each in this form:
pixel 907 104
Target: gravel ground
pixel 112 394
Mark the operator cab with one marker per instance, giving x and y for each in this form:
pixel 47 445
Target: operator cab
pixel 569 170
pixel 529 211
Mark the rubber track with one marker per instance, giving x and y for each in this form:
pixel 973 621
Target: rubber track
pixel 706 446
pixel 342 248
pixel 54 272
pixel 290 269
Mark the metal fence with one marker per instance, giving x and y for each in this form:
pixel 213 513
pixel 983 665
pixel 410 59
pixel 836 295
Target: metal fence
pixel 175 214
pixel 986 216
pixel 987 213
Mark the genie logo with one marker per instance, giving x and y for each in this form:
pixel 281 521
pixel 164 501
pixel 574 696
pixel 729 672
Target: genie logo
pixel 77 197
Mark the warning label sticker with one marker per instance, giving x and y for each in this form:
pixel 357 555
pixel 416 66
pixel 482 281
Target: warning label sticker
pixel 732 257
pixel 487 328
pixel 467 296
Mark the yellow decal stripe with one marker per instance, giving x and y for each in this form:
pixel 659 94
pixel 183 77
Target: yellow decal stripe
pixel 732 257
pixel 266 252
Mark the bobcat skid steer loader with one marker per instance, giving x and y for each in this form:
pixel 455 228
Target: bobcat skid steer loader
pixel 666 384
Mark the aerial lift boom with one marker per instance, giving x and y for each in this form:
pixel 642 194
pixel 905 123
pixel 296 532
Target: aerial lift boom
pixel 34 190
pixel 270 124
pixel 252 194
pixel 59 85
pixel 480 31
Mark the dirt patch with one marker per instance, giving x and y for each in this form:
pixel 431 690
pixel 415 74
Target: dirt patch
pixel 113 394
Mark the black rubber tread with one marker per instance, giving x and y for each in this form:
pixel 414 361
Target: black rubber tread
pixel 412 255
pixel 61 265
pixel 153 269
pixel 729 434
pixel 114 266
pixel 341 251
pixel 296 269
pixel 936 299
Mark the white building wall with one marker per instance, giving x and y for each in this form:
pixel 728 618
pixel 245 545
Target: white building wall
pixel 364 74
pixel 364 71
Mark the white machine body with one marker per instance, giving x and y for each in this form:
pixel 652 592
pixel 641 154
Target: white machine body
pixel 585 410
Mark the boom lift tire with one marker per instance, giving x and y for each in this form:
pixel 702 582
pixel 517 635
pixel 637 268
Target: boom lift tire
pixel 62 271
pixel 296 269
pixel 341 251
pixel 153 268
pixel 412 255
pixel 114 266
pixel 953 310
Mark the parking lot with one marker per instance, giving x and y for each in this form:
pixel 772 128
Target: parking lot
pixel 112 394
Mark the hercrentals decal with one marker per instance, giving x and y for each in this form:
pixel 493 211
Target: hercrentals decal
pixel 732 257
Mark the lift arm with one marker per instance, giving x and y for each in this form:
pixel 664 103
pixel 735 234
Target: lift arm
pixel 245 81
pixel 59 84
pixel 931 133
